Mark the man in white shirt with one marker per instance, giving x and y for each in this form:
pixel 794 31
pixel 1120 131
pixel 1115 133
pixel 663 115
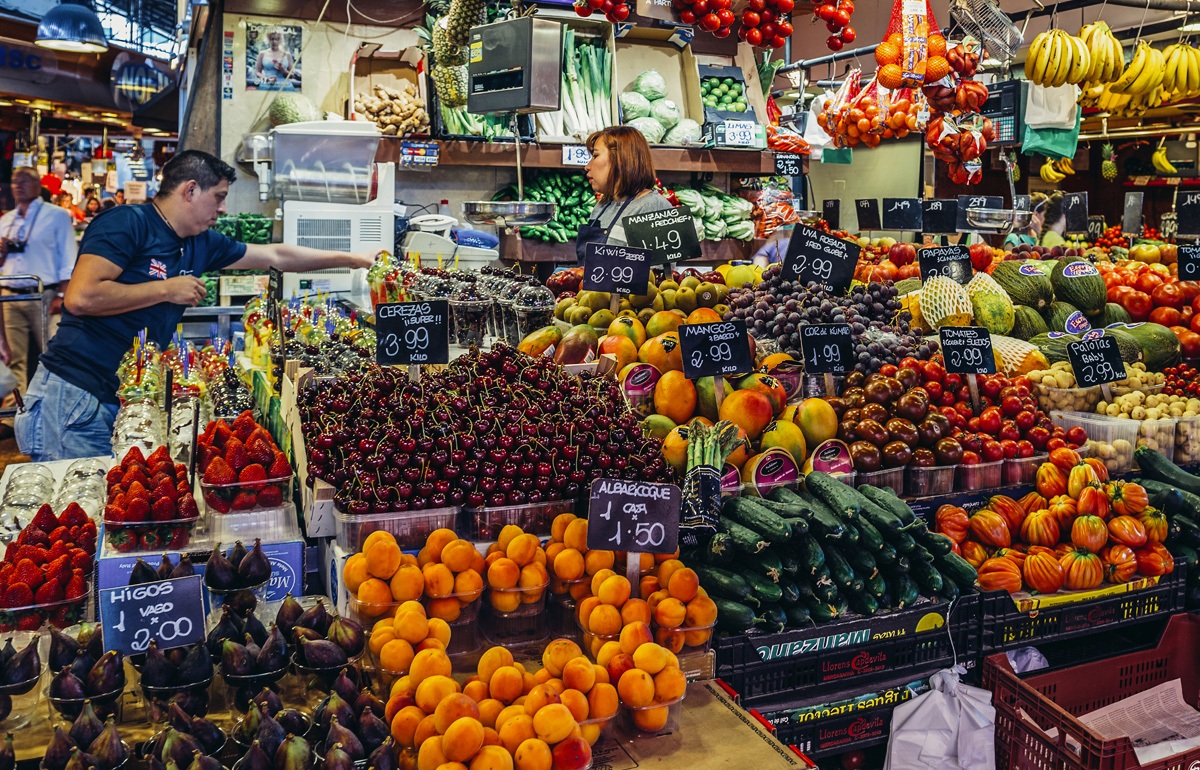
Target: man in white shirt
pixel 36 238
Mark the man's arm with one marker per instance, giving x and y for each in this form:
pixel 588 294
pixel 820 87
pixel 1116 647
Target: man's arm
pixel 93 290
pixel 299 259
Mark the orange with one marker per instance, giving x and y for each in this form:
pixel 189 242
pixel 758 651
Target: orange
pixel 454 707
pixel 636 688
pixel 568 564
pixel 439 580
pixel 674 448
pixel 439 539
pixel 575 535
pixel 558 654
pixel 663 353
pixel 396 656
pixel 670 613
pixel 506 684
pixel 504 573
pixel 427 663
pixel 605 620
pixel 576 702
pixel 683 584
pixel 602 701
pixel 404 725
pixel 750 410
pixel 355 572
pixel 492 757
pixel 614 590
pixel 432 690
pixel 675 397
pixel 430 756
pixel 890 76
pixel 650 658
pixel 522 549
pixel 383 558
pixel 468 585
pixel 457 555
pixel 462 739
pixel 936 45
pixel 669 684
pixel 579 674
pixel 532 754
pixel 558 528
pixel 407 584
pixel 635 610
pixel 374 597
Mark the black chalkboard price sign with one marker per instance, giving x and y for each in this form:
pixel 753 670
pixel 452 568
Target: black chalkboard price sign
pixel 817 257
pixel 1189 262
pixel 902 214
pixel 1131 215
pixel 974 202
pixel 831 210
pixel 169 611
pixel 868 214
pixel 1096 227
pixel 411 333
pixel 633 516
pixel 939 215
pixel 275 284
pixel 967 350
pixel 950 261
pixel 670 234
pixel 789 164
pixel 1023 203
pixel 1096 359
pixel 715 349
pixel 619 269
pixel 828 348
pixel 1075 207
pixel 1187 211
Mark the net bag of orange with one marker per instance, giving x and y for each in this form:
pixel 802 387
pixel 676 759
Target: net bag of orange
pixel 913 52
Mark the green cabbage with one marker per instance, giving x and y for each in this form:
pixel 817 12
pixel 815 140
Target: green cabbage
pixel 650 128
pixel 633 105
pixel 666 112
pixel 686 131
pixel 651 85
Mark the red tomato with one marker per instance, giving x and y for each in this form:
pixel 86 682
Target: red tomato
pixel 1187 314
pixel 1055 443
pixel 1116 293
pixel 1196 304
pixel 1147 282
pixel 1168 295
pixel 1189 341
pixel 1195 323
pixel 1138 304
pixel 1167 316
pixel 1077 435
pixel 934 372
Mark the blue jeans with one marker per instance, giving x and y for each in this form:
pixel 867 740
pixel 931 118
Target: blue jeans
pixel 63 422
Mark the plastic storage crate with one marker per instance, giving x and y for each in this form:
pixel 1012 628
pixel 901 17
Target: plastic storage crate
pixel 1113 439
pixel 1054 700
pixel 1006 626
pixel 765 668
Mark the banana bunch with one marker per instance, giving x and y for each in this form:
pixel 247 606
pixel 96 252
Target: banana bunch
pixel 1049 172
pixel 1108 58
pixel 1056 58
pixel 1182 77
pixel 1161 164
pixel 1143 74
pixel 1091 95
pixel 1113 103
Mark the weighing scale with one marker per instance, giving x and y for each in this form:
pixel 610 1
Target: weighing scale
pixel 429 239
pixel 1001 221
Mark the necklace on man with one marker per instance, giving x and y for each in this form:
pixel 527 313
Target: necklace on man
pixel 164 218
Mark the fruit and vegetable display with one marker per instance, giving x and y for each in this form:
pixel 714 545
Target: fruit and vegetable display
pixel 645 106
pixel 45 570
pixel 725 94
pixel 718 215
pixel 150 503
pixel 586 87
pixel 241 467
pixel 570 191
pixel 396 111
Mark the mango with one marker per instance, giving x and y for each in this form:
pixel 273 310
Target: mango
pixel 578 345
pixel 541 342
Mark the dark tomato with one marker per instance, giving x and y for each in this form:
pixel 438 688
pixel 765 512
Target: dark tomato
pixel 1038 436
pixel 1077 435
pixel 1167 316
pixel 1025 419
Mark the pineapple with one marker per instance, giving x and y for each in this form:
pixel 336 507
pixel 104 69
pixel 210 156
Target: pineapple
pixel 1108 169
pixel 450 83
pixel 445 53
pixel 463 15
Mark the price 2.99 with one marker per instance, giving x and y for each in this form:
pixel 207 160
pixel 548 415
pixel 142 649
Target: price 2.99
pixel 966 357
pixel 717 353
pixel 1101 372
pixel 617 273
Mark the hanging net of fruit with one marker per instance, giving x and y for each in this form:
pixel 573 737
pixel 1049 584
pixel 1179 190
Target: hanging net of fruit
pixel 959 141
pixel 912 46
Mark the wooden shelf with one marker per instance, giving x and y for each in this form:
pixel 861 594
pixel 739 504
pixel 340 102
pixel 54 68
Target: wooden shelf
pixel 500 154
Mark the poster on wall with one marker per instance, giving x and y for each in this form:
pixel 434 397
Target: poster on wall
pixel 273 56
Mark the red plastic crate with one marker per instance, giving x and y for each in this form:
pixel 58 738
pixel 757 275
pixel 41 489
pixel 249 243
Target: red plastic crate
pixel 1055 699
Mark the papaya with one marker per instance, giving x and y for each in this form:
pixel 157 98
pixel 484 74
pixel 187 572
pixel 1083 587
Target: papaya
pixel 541 342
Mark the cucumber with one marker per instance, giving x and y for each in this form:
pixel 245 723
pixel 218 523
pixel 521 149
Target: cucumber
pixel 857 585
pixel 903 564
pixel 877 586
pixel 886 556
pixel 791 592
pixel 957 569
pixel 935 542
pixel 1188 504
pixel 1189 531
pixel 734 617
pixel 720 549
pixel 919 553
pixel 745 540
pixel 769 565
pixel 807 595
pixel 812 558
pixel 823 613
pixel 797 616
pixel 840 498
pixel 904 591
pixel 883 520
pixel 863 603
pixel 748 513
pixel 868 536
pixel 771 619
pixel 950 590
pixel 825 589
pixel 904 542
pixel 861 562
pixel 1188 555
pixel 927 577
pixel 839 567
pixel 886 498
pixel 791 563
pixel 1158 467
pixel 723 583
pixel 765 590
pixel 798 524
pixel 822 521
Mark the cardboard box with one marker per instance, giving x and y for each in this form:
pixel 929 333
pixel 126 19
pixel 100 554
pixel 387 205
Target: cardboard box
pixel 370 66
pixel 333 560
pixel 595 26
pixel 677 66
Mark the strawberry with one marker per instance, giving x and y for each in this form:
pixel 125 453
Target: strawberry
pixel 116 496
pixel 151 540
pixel 260 434
pixel 58 548
pixel 134 475
pixel 244 425
pixel 58 534
pixel 34 553
pixel 221 434
pixel 280 467
pixel 219 473
pixel 137 490
pixel 59 569
pixel 29 621
pixel 260 452
pixel 73 515
pixel 28 572
pixel 88 526
pixel 163 509
pixel 6 573
pixel 114 475
pixel 165 489
pixel 73 534
pixel 138 510
pixel 114 514
pixel 18 595
pixel 87 541
pixel 206 438
pixel 235 454
pixel 63 615
pixel 216 502
pixel 183 488
pixel 167 475
pixel 10 553
pixel 178 538
pixel 244 501
pixel 181 471
pixel 132 457
pixel 158 456
pixel 81 559
pixel 204 456
pixel 270 497
pixel 122 540
pixel 252 477
pixel 48 592
pixel 44 519
pixel 187 508
pixel 76 587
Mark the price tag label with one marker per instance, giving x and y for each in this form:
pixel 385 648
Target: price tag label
pixel 1187 211
pixel 828 348
pixel 951 261
pixel 715 349
pixel 637 516
pixel 831 211
pixel 1096 359
pixel 817 257
pixel 1096 227
pixel 868 214
pixel 1174 181
pixel 1131 215
pixel 1023 203
pixel 1075 207
pixel 619 269
pixel 670 234
pixel 275 284
pixel 1189 262
pixel 789 164
pixel 939 215
pixel 965 202
pixel 902 214
pixel 409 333
pixel 169 611
pixel 1141 181
pixel 967 350
pixel 575 155
pixel 739 133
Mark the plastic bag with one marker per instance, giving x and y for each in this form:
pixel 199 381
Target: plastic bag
pixel 814 133
pixel 913 21
pixel 960 141
pixel 1051 107
pixel 1054 143
pixel 772 205
pixel 859 120
pixel 951 727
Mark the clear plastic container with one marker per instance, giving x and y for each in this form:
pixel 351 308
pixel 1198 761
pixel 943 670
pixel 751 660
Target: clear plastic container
pixel 849 477
pixel 1022 470
pixel 24 695
pixel 484 524
pixel 525 624
pixel 927 481
pixel 1158 435
pixel 560 618
pixel 1066 399
pixel 271 525
pixel 1109 438
pixel 652 721
pixel 892 478
pixel 410 528
pixel 1121 390
pixel 1187 441
pixel 980 476
pixel 685 640
pixel 244 497
pixel 59 614
pixel 470 320
pixel 465 637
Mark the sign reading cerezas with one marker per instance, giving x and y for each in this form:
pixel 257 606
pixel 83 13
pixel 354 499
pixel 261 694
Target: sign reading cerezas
pixel 408 333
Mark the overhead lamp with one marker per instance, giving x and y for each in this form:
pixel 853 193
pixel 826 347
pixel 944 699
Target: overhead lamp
pixel 72 26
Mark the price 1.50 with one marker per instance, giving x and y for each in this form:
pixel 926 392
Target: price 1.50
pixel 646 534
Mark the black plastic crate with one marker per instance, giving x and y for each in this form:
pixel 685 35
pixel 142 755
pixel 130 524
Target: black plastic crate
pixel 1006 626
pixel 797 663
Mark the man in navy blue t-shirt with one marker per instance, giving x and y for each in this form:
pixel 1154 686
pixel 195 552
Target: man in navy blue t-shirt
pixel 139 266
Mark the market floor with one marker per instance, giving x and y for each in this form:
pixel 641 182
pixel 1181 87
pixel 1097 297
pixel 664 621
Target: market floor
pixel 9 454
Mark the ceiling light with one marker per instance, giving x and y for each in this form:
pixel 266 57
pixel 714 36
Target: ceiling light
pixel 73 26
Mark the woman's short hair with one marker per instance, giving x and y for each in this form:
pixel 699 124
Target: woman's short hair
pixel 632 168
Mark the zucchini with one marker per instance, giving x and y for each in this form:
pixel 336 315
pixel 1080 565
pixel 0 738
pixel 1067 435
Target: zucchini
pixel 734 617
pixel 823 613
pixel 719 549
pixel 1158 467
pixel 812 558
pixel 904 591
pixel 863 603
pixel 883 520
pixel 722 583
pixel 840 498
pixel 868 536
pixel 861 562
pixel 745 540
pixel 877 586
pixel 886 499
pixel 765 590
pixel 825 589
pixel 797 616
pixel 839 567
pixel 748 513
pixel 958 569
pixel 927 577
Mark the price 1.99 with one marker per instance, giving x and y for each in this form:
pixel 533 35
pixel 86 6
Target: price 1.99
pixel 828 348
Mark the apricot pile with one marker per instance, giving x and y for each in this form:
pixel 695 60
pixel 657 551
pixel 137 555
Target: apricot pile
pixel 452 569
pixel 515 570
pixel 682 613
pixel 395 641
pixel 381 575
pixel 647 674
